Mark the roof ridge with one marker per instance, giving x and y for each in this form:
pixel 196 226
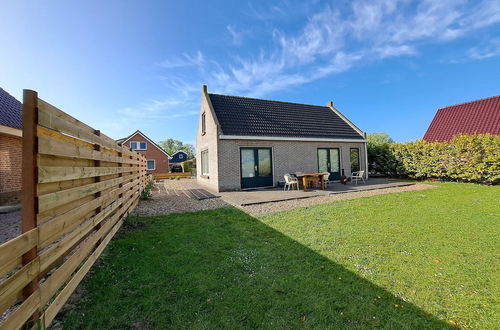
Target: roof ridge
pixel 463 103
pixel 254 98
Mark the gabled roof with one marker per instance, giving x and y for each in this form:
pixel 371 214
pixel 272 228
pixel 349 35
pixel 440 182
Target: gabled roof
pixel 179 151
pixel 125 140
pixel 11 111
pixel 243 116
pixel 476 117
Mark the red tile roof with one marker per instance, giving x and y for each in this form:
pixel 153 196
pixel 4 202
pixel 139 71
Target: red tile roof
pixel 476 117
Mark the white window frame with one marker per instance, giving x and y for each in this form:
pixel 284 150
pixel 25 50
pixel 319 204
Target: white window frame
pixel 154 164
pixel 205 152
pixel 138 144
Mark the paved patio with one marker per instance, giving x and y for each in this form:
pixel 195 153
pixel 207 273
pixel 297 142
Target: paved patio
pixel 260 196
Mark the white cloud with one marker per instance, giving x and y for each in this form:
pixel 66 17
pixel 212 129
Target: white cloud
pixel 184 61
pixel 491 49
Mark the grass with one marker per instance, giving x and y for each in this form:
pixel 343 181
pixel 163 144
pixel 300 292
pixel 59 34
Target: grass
pixel 424 259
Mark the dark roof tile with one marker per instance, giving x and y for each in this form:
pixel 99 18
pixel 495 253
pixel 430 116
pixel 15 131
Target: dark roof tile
pixel 255 117
pixel 11 110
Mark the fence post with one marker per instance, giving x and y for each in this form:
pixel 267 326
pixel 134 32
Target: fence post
pixel 30 179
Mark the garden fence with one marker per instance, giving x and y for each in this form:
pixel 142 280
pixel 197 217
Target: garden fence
pixel 78 185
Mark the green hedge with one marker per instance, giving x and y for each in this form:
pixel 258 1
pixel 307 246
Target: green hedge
pixel 467 158
pixel 186 166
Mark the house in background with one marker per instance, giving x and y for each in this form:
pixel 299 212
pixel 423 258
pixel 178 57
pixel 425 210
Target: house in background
pixel 476 117
pixel 157 159
pixel 246 142
pixel 179 157
pixel 11 147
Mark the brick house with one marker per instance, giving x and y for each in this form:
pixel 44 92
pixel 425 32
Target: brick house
pixel 246 143
pixel 157 158
pixel 11 146
pixel 476 117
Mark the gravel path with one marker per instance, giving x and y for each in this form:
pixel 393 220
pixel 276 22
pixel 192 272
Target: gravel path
pixel 161 203
pixel 287 205
pixel 10 225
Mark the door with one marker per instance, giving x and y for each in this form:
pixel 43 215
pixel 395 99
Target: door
pixel 256 167
pixel 329 161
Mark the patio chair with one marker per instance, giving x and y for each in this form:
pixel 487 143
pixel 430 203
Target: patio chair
pixel 289 181
pixel 326 179
pixel 355 176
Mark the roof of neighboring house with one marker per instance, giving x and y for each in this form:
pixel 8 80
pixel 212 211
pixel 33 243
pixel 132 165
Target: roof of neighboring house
pixel 255 117
pixel 11 110
pixel 124 140
pixel 476 117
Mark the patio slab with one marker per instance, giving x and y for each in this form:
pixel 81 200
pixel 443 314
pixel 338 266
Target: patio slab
pixel 254 197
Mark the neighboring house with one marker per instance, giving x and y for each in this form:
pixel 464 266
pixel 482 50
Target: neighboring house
pixel 11 147
pixel 246 143
pixel 476 117
pixel 157 160
pixel 178 157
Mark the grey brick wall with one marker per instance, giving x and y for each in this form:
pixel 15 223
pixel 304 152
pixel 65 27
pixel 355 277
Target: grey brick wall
pixel 288 156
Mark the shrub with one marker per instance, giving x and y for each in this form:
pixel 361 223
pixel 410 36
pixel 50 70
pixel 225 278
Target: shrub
pixel 466 158
pixel 380 157
pixel 186 166
pixel 146 192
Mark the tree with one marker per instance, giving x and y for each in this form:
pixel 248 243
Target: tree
pixel 380 156
pixel 171 146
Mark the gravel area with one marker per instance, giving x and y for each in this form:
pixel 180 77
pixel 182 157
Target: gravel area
pixel 10 225
pixel 291 204
pixel 163 203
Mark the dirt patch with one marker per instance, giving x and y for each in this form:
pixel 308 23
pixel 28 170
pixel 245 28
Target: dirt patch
pixel 10 225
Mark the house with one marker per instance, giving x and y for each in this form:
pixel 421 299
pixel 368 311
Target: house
pixel 476 117
pixel 179 157
pixel 247 143
pixel 11 147
pixel 157 159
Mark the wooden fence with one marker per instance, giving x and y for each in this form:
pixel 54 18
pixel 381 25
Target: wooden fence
pixel 78 185
pixel 165 176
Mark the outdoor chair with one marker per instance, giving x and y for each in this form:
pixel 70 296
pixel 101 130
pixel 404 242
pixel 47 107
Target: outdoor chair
pixel 326 179
pixel 289 181
pixel 355 176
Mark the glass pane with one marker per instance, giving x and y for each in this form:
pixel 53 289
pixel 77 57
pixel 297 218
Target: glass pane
pixel 334 160
pixel 133 145
pixel 204 162
pixel 264 161
pixel 354 160
pixel 143 145
pixel 322 160
pixel 150 164
pixel 247 163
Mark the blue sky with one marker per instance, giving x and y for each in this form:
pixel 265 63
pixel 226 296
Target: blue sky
pixel 126 65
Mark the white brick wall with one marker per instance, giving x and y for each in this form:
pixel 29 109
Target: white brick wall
pixel 288 156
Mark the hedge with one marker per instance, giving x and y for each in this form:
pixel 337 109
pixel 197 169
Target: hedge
pixel 466 158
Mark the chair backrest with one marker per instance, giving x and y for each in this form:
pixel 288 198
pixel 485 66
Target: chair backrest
pixel 288 178
pixel 361 173
pixel 326 176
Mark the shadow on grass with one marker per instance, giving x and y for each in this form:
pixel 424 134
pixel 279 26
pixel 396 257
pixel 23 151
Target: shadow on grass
pixel 225 269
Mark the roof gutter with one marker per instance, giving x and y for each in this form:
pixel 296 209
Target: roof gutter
pixel 279 138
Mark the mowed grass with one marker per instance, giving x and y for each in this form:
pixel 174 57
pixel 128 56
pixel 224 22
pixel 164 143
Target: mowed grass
pixel 415 260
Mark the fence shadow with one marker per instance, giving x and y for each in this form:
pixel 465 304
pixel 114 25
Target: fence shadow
pixel 224 268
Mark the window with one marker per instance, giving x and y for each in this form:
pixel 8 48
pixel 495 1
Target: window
pixel 354 159
pixel 204 162
pixel 135 145
pixel 150 165
pixel 203 124
pixel 181 156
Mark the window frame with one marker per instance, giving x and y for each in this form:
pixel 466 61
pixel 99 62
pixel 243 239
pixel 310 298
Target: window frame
pixel 204 156
pixel 138 145
pixel 154 164
pixel 203 124
pixel 359 158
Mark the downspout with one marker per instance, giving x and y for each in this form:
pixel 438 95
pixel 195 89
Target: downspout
pixel 366 156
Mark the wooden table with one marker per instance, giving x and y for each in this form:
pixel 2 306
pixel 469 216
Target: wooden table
pixel 307 177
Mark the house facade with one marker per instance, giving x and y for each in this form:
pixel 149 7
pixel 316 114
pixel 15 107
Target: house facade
pixel 249 143
pixel 157 159
pixel 476 117
pixel 11 147
pixel 178 157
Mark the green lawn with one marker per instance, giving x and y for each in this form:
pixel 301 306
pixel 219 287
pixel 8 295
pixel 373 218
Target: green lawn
pixel 424 259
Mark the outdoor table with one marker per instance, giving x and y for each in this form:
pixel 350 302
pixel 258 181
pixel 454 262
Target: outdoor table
pixel 307 177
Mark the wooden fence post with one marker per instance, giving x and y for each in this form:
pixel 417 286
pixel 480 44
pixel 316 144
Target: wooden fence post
pixel 30 179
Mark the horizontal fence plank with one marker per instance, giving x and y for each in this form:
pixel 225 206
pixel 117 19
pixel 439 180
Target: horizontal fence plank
pixel 53 145
pixel 9 266
pixel 17 319
pixel 160 176
pixel 56 173
pixel 54 199
pixel 11 288
pixel 16 247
